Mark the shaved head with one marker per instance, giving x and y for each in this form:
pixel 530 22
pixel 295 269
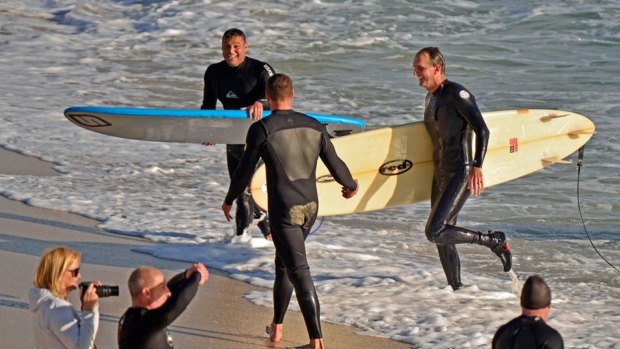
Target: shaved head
pixel 145 276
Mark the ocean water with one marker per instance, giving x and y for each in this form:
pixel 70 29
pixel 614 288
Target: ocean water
pixel 373 270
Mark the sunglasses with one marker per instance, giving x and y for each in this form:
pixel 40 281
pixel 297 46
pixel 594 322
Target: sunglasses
pixel 74 272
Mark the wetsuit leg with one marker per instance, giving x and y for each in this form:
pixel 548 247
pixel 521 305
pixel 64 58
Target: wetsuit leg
pixel 289 241
pixel 451 264
pixel 441 227
pixel 247 210
pixel 244 213
pixel 282 292
pixel 447 200
pixel 263 224
pixel 451 196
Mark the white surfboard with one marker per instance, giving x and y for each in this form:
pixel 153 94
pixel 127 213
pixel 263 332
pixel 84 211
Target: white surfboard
pixel 186 125
pixel 394 164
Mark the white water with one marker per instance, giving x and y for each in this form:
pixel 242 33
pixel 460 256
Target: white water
pixel 373 270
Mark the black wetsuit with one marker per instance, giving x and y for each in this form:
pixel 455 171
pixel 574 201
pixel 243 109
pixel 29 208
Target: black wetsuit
pixel 142 328
pixel 290 144
pixel 450 116
pixel 236 88
pixel 526 332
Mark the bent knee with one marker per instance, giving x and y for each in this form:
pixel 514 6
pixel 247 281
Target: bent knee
pixel 433 233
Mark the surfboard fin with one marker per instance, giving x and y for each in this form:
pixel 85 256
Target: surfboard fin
pixel 549 117
pixel 556 160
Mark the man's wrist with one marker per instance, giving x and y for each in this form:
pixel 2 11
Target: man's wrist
pixel 264 103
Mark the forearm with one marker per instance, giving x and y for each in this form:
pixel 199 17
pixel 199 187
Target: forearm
pixel 240 179
pixel 183 291
pixel 75 332
pixel 337 168
pixel 247 165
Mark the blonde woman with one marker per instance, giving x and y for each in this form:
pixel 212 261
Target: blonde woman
pixel 55 323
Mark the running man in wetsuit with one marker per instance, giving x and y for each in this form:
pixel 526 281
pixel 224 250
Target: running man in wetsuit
pixel 290 144
pixel 238 82
pixel 155 304
pixel 450 117
pixel 530 330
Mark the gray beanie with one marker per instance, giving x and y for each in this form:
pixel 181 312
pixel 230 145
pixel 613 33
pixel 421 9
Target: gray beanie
pixel 536 294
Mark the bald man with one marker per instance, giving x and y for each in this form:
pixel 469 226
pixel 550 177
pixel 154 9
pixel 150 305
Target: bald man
pixel 155 304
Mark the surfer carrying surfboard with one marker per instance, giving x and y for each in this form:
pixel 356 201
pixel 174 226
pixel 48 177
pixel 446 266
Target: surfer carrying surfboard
pixel 290 144
pixel 450 117
pixel 238 82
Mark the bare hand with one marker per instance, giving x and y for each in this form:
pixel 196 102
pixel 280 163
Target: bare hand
pixel 255 111
pixel 476 181
pixel 90 297
pixel 198 268
pixel 348 193
pixel 226 208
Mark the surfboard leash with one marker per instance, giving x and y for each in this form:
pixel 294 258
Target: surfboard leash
pixel 579 164
pixel 317 228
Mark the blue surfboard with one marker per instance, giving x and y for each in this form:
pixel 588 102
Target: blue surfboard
pixel 186 125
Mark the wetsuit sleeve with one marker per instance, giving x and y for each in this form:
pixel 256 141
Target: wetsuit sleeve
pixel 243 174
pixel 176 281
pixel 467 108
pixel 209 97
pixel 183 291
pixel 258 93
pixel 337 168
pixel 555 342
pixel 496 337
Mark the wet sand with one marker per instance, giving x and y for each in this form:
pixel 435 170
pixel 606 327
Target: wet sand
pixel 218 317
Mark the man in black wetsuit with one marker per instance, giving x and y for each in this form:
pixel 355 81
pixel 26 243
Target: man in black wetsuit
pixel 450 117
pixel 155 304
pixel 238 82
pixel 530 330
pixel 290 144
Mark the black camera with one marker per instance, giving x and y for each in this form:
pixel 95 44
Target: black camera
pixel 102 291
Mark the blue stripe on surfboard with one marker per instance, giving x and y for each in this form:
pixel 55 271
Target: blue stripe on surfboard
pixel 198 113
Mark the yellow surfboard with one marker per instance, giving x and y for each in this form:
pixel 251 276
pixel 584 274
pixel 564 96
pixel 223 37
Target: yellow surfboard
pixel 394 164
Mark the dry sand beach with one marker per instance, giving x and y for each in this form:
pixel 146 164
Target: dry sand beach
pixel 219 317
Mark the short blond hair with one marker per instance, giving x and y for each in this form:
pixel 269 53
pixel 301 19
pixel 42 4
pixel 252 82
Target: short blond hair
pixel 279 87
pixel 54 263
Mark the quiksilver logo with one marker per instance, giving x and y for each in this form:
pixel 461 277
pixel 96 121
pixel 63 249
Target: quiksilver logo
pixel 395 167
pixel 231 95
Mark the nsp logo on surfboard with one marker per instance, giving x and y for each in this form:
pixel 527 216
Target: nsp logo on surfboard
pixel 395 167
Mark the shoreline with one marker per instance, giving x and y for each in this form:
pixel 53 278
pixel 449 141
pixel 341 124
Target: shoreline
pixel 218 317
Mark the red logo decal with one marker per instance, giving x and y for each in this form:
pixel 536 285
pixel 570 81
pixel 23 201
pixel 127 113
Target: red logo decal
pixel 514 145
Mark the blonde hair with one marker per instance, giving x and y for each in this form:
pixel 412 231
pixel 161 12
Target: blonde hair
pixel 279 87
pixel 54 263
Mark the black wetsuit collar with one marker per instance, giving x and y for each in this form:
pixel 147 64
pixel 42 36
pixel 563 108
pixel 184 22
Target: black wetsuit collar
pixel 281 111
pixel 239 67
pixel 441 86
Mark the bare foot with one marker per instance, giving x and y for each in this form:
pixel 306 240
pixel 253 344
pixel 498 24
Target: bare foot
pixel 314 344
pixel 275 332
